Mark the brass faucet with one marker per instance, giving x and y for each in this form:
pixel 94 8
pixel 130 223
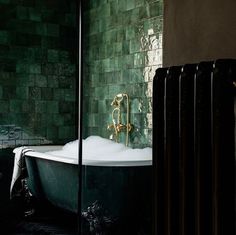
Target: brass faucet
pixel 116 118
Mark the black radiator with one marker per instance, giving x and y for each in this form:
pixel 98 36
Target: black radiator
pixel 194 149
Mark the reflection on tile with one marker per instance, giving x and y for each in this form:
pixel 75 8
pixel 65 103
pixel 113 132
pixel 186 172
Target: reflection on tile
pixel 123 58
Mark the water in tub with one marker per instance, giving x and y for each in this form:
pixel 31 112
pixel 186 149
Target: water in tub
pixel 96 148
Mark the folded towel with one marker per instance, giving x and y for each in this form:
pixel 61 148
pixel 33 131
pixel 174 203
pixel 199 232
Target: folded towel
pixel 19 172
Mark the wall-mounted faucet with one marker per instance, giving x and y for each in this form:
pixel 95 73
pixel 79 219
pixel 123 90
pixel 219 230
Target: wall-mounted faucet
pixel 117 124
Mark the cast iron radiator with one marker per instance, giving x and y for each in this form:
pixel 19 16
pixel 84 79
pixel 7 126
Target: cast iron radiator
pixel 194 149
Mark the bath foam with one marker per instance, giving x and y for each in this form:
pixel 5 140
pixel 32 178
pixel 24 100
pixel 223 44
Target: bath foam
pixel 98 148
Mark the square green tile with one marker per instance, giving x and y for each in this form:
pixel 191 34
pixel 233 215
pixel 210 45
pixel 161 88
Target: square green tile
pixel 4 37
pixel 22 92
pixel 4 107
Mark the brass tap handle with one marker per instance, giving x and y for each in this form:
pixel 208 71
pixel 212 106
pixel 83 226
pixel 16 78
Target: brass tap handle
pixel 120 127
pixel 110 126
pixel 129 126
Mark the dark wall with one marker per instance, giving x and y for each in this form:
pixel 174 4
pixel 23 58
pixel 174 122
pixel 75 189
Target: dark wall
pixel 37 71
pixel 198 30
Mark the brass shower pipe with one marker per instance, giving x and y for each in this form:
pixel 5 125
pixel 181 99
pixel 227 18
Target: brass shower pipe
pixel 117 125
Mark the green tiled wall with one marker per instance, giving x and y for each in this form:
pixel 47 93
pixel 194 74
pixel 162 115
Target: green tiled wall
pixel 37 71
pixel 122 50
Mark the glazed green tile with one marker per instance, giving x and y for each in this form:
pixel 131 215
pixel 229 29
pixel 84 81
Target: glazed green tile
pixel 125 48
pixel 46 93
pixel 22 67
pixel 101 92
pixel 126 75
pixel 110 50
pixel 113 7
pixel 93 106
pixel 16 52
pixel 7 79
pixel 150 23
pixel 106 65
pixel 65 107
pixel 113 65
pixel 95 26
pixel 52 81
pixel 130 4
pixel 69 119
pixel 127 61
pixel 15 106
pixel 58 120
pixel 93 120
pixel 134 46
pixel 28 106
pixel 64 56
pixel 22 13
pixel 134 90
pixel 130 33
pixel 24 79
pixel 22 92
pixel 35 68
pixel 52 107
pixel 66 132
pixel 139 60
pixel 40 106
pixel 4 106
pixel 40 80
pixel 144 11
pixel 70 19
pixel 41 29
pixel 139 3
pixel 64 82
pixel 52 30
pixel 34 14
pixel 121 5
pixel 155 9
pixel 4 37
pixel 102 106
pixel 114 90
pixel 34 54
pixel 58 94
pixel 48 69
pixel 35 93
pixel 70 95
pixel 120 34
pixel 21 26
pixel 4 50
pixel 46 119
pixel 64 69
pixel 126 18
pixel 105 10
pixel 9 92
pixel 28 66
pixel 52 132
pixel 110 36
pixel 53 55
pixel 5 1
pixel 8 66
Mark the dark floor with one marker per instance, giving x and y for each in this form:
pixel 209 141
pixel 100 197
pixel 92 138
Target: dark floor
pixel 45 220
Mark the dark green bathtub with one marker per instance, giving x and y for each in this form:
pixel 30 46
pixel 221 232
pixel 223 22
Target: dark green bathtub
pixel 118 192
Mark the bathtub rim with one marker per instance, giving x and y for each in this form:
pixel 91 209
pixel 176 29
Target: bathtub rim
pixel 86 162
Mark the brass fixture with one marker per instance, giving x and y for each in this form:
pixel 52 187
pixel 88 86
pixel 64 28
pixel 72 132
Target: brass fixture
pixel 117 124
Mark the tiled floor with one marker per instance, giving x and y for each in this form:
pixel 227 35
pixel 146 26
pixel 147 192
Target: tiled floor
pixel 46 220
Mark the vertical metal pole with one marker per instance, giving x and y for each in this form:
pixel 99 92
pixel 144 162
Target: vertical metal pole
pixel 80 111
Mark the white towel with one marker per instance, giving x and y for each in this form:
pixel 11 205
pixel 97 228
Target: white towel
pixel 19 172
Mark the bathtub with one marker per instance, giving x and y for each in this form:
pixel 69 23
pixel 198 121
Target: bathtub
pixel 111 176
